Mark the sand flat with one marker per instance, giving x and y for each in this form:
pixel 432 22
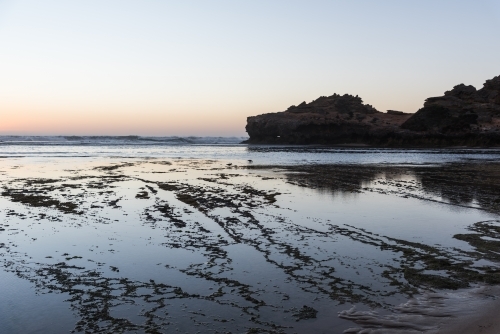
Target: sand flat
pixel 132 244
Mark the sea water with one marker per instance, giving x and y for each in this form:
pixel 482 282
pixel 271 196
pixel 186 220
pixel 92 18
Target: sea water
pixel 194 235
pixel 228 148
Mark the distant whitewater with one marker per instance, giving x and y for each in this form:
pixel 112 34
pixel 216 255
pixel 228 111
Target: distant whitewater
pixel 118 140
pixel 226 148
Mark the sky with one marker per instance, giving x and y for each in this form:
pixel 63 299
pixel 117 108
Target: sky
pixel 165 68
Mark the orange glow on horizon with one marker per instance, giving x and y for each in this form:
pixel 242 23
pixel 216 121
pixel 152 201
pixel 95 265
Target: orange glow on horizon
pixel 108 121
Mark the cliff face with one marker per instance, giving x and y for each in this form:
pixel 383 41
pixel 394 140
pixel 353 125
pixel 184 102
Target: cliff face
pixel 463 116
pixel 328 120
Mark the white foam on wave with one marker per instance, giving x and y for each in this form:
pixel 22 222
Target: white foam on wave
pixel 118 140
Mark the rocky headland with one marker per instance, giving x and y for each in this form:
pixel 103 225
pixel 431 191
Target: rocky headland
pixel 464 116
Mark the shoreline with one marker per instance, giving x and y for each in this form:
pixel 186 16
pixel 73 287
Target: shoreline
pixel 225 241
pixel 364 145
pixel 485 321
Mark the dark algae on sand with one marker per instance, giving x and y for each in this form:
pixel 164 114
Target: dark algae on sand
pixel 192 245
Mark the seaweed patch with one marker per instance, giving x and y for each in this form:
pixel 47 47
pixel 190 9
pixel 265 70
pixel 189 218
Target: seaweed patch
pixel 221 249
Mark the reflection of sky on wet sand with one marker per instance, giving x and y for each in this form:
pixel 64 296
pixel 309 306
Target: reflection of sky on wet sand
pixel 251 262
pixel 406 218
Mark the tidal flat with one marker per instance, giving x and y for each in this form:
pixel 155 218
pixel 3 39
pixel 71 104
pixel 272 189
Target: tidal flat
pixel 160 245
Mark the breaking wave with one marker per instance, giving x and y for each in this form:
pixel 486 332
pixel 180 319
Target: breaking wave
pixel 118 140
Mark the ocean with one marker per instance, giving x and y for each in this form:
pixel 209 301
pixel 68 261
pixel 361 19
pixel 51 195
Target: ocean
pixel 204 234
pixel 228 148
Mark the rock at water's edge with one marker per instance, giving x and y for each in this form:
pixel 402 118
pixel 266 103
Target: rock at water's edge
pixel 463 116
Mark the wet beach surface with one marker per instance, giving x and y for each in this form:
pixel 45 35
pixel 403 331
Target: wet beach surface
pixel 195 245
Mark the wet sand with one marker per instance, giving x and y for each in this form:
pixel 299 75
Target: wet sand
pixel 157 245
pixel 487 322
pixel 483 320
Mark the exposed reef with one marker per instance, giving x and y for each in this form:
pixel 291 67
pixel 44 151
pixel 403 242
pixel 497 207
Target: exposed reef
pixel 192 245
pixel 464 116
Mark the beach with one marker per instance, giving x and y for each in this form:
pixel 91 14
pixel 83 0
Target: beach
pixel 159 244
pixel 254 167
pixel 483 320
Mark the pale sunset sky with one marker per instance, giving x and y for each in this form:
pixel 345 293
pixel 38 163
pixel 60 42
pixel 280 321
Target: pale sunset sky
pixel 161 68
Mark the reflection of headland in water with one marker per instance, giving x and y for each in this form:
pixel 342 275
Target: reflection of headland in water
pixel 474 185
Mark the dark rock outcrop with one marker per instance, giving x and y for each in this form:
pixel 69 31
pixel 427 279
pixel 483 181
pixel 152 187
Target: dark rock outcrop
pixel 334 119
pixel 461 109
pixel 463 116
pixel 395 112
